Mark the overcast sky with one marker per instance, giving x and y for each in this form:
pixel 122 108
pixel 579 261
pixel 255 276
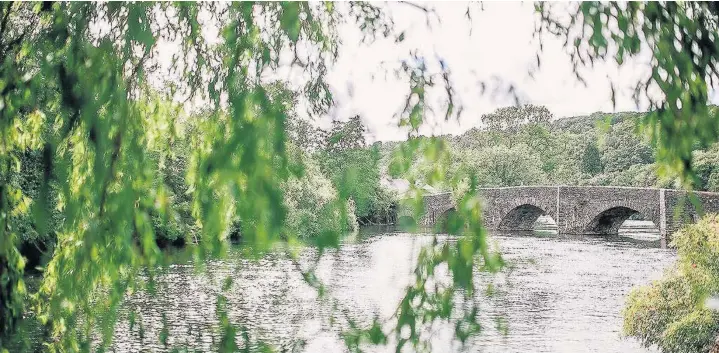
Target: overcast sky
pixel 500 45
pixel 496 47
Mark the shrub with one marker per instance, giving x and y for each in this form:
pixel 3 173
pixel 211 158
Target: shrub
pixel 671 313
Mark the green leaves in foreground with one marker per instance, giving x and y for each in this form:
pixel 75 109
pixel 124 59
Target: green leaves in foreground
pixel 78 87
pixel 443 289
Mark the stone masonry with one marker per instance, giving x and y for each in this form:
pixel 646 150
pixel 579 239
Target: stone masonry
pixel 580 209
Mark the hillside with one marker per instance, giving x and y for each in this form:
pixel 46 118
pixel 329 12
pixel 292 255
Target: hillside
pixel 596 149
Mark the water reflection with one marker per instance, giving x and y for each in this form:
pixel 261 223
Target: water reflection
pixel 559 294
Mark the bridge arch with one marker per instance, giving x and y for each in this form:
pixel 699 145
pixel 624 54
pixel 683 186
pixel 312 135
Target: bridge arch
pixel 521 217
pixel 447 214
pixel 611 219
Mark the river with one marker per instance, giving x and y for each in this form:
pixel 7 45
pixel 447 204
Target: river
pixel 559 294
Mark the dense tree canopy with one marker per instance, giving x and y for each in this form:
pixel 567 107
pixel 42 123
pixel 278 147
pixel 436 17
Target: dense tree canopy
pixel 511 118
pixel 591 160
pixel 622 148
pixel 601 149
pixel 504 166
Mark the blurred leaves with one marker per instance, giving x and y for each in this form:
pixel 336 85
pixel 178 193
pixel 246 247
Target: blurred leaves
pixel 122 168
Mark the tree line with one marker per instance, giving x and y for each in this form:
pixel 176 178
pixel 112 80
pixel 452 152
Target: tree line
pixel 527 145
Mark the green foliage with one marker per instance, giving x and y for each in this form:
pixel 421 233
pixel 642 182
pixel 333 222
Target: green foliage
pixel 347 135
pixel 512 118
pixel 115 171
pixel 601 149
pixel 592 160
pixel 123 169
pixel 354 170
pixel 108 138
pixel 313 206
pixel 637 175
pixel 504 166
pixel 622 148
pixel 706 167
pixel 355 174
pixel 671 313
pixel 679 38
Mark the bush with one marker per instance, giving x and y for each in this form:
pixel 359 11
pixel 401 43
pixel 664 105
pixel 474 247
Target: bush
pixel 671 313
pixel 313 205
pixel 168 231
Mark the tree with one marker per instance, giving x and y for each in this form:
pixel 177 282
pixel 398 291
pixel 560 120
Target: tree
pixel 354 168
pixel 706 165
pixel 313 204
pixel 305 135
pixel 300 131
pixel 346 135
pixel 591 160
pixel 623 148
pixel 511 118
pixel 503 166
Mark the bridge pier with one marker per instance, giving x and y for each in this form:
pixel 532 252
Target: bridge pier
pixel 581 210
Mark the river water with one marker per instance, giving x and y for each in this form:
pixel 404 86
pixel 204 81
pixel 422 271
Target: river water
pixel 558 294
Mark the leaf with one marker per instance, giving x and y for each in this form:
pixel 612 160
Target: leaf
pixel 290 20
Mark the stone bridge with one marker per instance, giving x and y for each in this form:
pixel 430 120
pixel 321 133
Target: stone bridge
pixel 579 209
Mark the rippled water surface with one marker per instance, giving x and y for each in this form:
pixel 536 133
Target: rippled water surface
pixel 559 294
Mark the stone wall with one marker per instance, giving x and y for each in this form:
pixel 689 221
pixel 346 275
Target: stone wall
pixel 436 208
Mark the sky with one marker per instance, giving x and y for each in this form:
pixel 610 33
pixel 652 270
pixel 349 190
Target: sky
pixel 496 47
pixel 499 49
